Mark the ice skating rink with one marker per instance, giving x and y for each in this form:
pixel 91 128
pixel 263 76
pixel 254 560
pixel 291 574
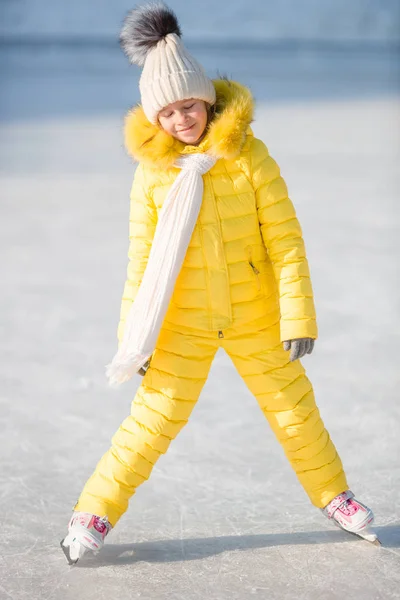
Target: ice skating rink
pixel 222 516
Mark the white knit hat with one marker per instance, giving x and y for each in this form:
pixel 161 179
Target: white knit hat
pixel 150 37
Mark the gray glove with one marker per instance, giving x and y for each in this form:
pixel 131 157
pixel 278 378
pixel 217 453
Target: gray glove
pixel 299 347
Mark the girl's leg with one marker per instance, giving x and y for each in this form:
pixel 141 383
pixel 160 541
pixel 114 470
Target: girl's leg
pixel 160 409
pixel 286 397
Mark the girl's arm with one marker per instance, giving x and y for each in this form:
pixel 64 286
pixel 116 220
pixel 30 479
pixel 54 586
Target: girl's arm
pixel 283 239
pixel 142 226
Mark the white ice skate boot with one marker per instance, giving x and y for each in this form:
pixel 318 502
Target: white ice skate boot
pixel 85 532
pixel 352 516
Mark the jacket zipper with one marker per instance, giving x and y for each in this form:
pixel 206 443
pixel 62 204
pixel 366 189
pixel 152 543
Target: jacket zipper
pixel 218 220
pixel 220 334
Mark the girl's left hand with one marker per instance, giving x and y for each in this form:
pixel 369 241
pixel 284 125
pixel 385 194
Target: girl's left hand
pixel 299 347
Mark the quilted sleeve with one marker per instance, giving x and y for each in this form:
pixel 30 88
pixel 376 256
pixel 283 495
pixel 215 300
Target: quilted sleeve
pixel 142 226
pixel 282 236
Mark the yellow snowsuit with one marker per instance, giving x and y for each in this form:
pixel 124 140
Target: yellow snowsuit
pixel 244 286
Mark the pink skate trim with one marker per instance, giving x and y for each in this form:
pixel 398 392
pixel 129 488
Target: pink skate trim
pixel 90 541
pixel 353 516
pixel 100 526
pixel 350 508
pixel 338 502
pixel 87 529
pixel 345 513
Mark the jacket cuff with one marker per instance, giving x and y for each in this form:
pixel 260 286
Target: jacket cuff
pixel 298 328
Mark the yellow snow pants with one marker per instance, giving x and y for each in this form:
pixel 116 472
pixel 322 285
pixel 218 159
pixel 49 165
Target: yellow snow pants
pixel 169 391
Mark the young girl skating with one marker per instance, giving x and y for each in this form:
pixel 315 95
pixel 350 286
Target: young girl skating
pixel 216 260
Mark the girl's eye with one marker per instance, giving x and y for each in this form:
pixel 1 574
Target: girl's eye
pixel 191 106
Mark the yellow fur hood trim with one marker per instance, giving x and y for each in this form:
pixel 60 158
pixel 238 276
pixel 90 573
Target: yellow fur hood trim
pixel 150 144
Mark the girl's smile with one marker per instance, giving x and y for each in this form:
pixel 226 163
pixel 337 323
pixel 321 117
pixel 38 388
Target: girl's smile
pixel 187 129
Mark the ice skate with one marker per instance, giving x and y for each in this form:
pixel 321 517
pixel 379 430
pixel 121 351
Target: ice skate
pixel 351 515
pixel 85 532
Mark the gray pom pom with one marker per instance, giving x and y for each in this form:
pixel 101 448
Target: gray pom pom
pixel 144 27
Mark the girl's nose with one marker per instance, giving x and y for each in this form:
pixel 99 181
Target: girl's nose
pixel 182 118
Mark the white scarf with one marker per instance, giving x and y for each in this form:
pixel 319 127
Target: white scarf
pixel 174 229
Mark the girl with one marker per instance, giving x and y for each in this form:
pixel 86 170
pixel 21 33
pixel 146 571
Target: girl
pixel 217 260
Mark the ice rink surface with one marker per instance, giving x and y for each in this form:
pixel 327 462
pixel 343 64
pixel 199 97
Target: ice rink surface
pixel 222 516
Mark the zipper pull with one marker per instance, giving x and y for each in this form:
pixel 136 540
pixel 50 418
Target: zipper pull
pixel 220 334
pixel 254 268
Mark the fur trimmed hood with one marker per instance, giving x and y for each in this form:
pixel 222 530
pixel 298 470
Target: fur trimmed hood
pixel 151 145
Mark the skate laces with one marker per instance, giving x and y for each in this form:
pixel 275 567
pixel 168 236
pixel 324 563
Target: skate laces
pixel 339 502
pixel 349 508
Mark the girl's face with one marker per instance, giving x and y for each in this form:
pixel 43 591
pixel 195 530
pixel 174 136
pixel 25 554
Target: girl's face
pixel 185 120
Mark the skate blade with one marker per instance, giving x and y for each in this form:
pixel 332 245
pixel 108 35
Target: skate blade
pixel 370 537
pixel 376 542
pixel 73 550
pixel 365 534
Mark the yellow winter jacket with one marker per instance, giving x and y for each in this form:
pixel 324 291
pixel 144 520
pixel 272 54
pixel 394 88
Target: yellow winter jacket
pixel 246 260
